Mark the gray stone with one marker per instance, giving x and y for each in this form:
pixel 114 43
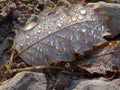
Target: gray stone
pixel 113 11
pixel 4 49
pixel 95 84
pixel 25 81
pixel 62 81
pixel 115 1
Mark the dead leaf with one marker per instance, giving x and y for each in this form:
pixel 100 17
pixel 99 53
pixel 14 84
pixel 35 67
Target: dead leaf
pixel 59 34
pixel 104 59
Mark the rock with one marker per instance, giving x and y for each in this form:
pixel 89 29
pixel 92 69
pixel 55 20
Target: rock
pixel 4 49
pixel 4 45
pixel 95 84
pixel 113 11
pixel 59 85
pixel 57 80
pixel 115 1
pixel 25 81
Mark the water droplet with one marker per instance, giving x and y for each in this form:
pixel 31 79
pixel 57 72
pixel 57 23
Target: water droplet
pixel 31 41
pixel 77 37
pixel 35 33
pixel 38 31
pixel 38 48
pixel 27 36
pixel 74 18
pixel 48 19
pixel 39 26
pixel 51 43
pixel 80 17
pixel 56 41
pixel 49 31
pixel 92 12
pixel 47 28
pixel 71 37
pixel 64 49
pixel 86 41
pixel 41 49
pixel 35 37
pixel 76 27
pixel 75 10
pixel 75 49
pixel 83 11
pixel 70 20
pixel 29 51
pixel 57 47
pixel 92 32
pixel 57 12
pixel 83 30
pixel 59 25
pixel 61 18
pixel 28 43
pixel 21 44
pixel 62 21
pixel 36 55
pixel 49 25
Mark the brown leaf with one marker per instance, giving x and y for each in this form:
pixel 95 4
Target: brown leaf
pixel 104 59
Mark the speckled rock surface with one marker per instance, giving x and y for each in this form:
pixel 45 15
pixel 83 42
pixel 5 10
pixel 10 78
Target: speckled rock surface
pixel 25 81
pixel 95 84
pixel 113 11
pixel 115 1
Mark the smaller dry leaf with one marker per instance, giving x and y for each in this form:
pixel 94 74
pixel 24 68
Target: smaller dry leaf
pixel 104 59
pixel 115 68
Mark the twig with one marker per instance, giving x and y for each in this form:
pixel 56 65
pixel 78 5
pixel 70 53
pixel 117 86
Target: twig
pixel 52 3
pixel 11 57
pixel 35 68
pixel 108 53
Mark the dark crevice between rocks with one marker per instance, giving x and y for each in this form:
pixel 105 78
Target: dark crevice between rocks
pixel 57 80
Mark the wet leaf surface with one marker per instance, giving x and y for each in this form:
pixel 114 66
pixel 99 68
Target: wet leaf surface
pixel 59 34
